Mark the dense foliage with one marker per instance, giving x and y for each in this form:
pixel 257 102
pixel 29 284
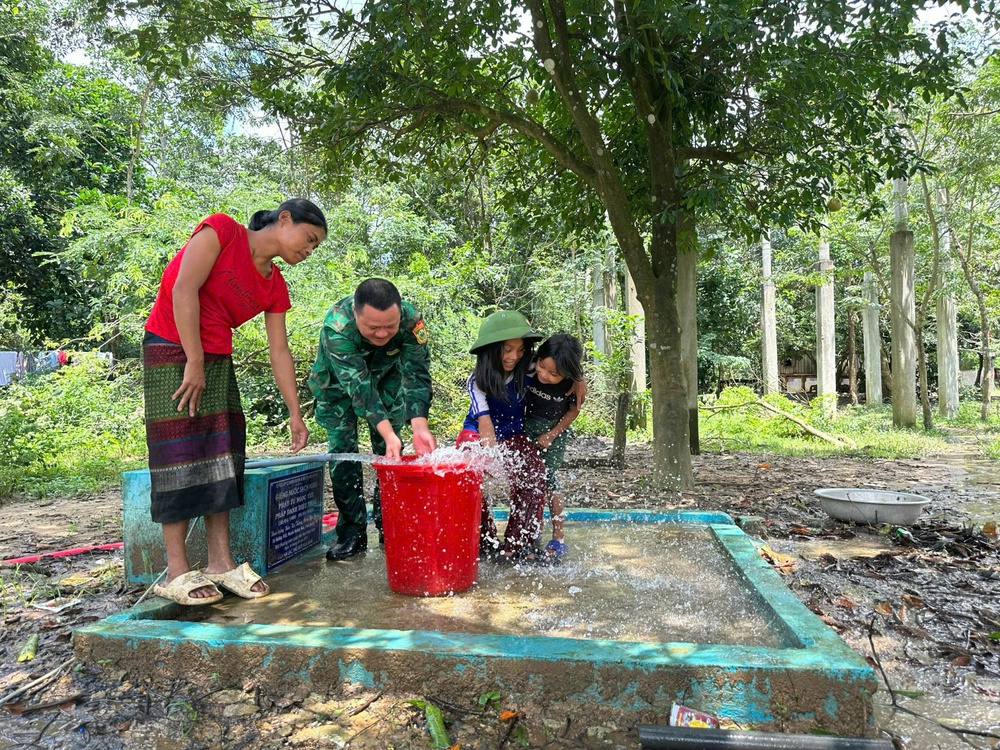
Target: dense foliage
pixel 425 160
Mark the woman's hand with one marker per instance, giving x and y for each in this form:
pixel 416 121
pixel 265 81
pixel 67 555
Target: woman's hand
pixel 300 433
pixel 192 386
pixel 579 388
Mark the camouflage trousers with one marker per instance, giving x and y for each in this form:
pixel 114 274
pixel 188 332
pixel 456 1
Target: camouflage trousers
pixel 347 477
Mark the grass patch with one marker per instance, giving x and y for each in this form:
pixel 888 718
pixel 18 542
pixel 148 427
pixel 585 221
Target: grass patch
pixel 71 430
pixel 734 422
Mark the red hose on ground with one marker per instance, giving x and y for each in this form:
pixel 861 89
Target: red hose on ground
pixel 62 553
pixel 330 519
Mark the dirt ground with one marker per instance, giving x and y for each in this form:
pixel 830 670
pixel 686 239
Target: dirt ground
pixel 920 604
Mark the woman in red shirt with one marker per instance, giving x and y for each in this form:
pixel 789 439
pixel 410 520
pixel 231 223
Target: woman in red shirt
pixel 195 429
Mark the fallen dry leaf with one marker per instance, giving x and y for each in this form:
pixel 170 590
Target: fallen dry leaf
pixel 914 601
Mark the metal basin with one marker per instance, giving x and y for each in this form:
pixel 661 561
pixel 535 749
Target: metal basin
pixel 871 506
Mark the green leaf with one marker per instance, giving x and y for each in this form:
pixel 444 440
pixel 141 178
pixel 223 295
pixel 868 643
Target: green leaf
pixel 29 649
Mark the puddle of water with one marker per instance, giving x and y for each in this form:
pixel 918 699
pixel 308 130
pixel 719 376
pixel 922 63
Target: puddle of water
pixel 621 581
pixel 862 545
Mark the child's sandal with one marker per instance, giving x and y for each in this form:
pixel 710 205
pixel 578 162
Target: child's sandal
pixel 530 556
pixel 557 547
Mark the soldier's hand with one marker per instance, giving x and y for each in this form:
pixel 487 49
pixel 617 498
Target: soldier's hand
pixel 423 440
pixel 393 447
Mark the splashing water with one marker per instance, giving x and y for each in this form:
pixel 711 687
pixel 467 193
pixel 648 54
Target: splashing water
pixel 493 460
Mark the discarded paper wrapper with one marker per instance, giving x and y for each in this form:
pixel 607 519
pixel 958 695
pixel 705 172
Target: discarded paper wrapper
pixel 682 716
pixel 56 605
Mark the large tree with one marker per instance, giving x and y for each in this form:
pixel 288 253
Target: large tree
pixel 645 114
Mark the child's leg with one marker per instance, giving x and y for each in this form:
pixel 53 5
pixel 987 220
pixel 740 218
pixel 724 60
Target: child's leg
pixel 556 511
pixel 526 473
pixel 553 461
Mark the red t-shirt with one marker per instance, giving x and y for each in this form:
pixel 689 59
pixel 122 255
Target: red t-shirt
pixel 233 293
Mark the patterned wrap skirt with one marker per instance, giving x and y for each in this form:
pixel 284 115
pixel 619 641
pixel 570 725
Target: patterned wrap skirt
pixel 195 464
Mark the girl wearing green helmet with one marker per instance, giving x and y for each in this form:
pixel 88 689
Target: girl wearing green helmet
pixel 503 352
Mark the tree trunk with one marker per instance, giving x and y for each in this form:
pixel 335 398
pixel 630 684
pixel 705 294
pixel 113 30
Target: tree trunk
pixel 637 354
pixel 947 353
pixel 925 400
pixel 873 343
pixel 687 312
pixel 904 397
pixel 768 320
pixel 886 369
pixel 852 357
pixel 826 349
pixel 903 313
pixel 672 446
pixel 985 355
pixel 621 428
pixel 137 148
pixel 987 386
pixel 597 308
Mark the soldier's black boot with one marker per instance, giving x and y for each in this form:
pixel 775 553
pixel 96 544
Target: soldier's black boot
pixel 349 547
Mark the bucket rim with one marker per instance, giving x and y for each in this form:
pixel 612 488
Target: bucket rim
pixel 407 465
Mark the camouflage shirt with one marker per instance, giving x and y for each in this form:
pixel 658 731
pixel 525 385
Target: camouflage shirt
pixel 349 366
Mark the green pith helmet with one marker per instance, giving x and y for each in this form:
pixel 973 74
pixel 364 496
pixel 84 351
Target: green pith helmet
pixel 503 325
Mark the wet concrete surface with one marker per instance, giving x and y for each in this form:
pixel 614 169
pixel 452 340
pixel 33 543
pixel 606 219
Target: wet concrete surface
pixel 621 581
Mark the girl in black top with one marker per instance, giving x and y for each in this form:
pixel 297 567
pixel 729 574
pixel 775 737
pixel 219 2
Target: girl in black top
pixel 550 407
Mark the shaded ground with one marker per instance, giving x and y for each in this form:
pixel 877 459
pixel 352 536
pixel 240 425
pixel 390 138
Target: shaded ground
pixel 921 604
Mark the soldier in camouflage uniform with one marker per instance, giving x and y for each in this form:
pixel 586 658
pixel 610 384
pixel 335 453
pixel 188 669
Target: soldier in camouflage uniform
pixel 373 363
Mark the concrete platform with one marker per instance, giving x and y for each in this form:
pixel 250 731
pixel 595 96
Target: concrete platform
pixel 650 608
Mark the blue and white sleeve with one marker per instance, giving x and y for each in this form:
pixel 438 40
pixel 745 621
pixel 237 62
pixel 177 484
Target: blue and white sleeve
pixel 478 406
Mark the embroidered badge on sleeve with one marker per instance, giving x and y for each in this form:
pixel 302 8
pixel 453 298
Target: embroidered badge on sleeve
pixel 420 332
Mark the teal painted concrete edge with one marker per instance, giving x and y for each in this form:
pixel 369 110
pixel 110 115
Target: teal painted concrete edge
pixel 813 645
pixel 638 656
pixel 800 625
pixel 688 517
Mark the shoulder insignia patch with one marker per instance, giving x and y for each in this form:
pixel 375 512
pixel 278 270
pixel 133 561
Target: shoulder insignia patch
pixel 420 332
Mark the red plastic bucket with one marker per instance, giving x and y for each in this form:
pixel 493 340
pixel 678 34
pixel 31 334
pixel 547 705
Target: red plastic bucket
pixel 430 518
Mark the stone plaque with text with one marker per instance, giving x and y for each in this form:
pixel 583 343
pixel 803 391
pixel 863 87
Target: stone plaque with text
pixel 294 515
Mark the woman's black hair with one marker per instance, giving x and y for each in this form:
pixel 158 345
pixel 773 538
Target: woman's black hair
pixel 566 352
pixel 489 372
pixel 302 211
